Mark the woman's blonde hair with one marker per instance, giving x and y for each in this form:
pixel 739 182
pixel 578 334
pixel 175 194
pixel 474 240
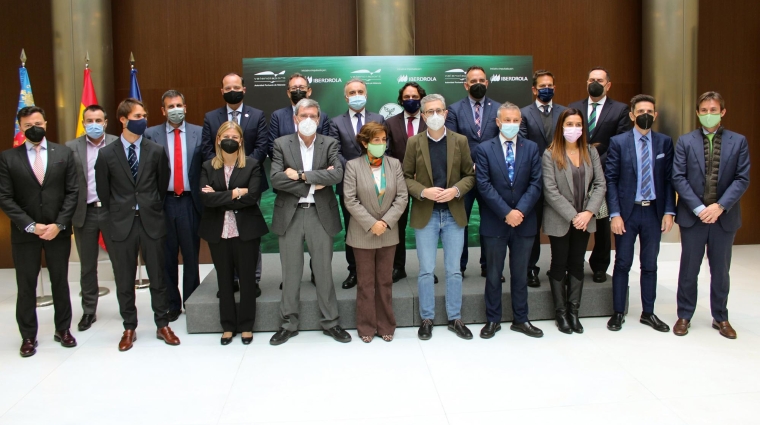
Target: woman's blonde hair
pixel 218 162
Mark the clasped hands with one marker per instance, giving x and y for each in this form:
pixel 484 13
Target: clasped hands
pixel 293 175
pixel 710 214
pixel 46 232
pixel 379 228
pixel 581 220
pixel 514 218
pixel 437 194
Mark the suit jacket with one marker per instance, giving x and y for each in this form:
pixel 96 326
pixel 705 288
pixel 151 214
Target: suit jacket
pixel 500 195
pixel 360 195
pixel 349 148
pixel 250 222
pixel 287 154
pixel 419 176
pixel 460 120
pixel 623 170
pixel 281 124
pixel 532 126
pixel 613 120
pixel 559 193
pixel 193 156
pixel 25 201
pixel 121 194
pixel 397 137
pixel 79 148
pixel 689 177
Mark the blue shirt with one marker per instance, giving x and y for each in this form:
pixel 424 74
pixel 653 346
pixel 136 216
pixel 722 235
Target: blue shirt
pixel 170 148
pixel 126 146
pixel 637 139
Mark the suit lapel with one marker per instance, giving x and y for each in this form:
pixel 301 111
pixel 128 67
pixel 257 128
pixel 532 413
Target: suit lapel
pixel 425 151
pixel 318 151
pixel 122 159
pixel 290 126
pixel 498 152
pixel 295 151
pixel 727 147
pixel 568 172
pixel 468 112
pixel 143 154
pixel 245 117
pixel 390 187
pixel 588 174
pixel 602 116
pixel 519 159
pixel 451 149
pixel 82 152
pixel 349 128
pixel 536 114
pixel 52 156
pixel 367 182
pixel 699 149
pixel 631 142
pixel 191 142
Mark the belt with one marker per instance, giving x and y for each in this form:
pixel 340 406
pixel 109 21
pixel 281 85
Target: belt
pixel 176 195
pixel 644 203
pixel 97 204
pixel 305 204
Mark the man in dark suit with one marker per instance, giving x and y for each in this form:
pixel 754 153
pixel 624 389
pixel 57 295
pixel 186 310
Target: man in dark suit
pixel 305 166
pixel 90 218
pixel 642 204
pixel 182 207
pixel 508 175
pixel 281 122
pixel 475 118
pixel 400 128
pixel 604 118
pixel 346 126
pixel 131 179
pixel 710 175
pixel 38 193
pixel 538 122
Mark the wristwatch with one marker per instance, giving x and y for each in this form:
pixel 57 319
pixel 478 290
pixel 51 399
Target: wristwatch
pixel 300 176
pixel 61 227
pixel 721 207
pixel 30 228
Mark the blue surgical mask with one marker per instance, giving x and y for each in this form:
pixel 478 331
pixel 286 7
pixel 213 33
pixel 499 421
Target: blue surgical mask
pixel 545 94
pixel 357 102
pixel 509 130
pixel 94 130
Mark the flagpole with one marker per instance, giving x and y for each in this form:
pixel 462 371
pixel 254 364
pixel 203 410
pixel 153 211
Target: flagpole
pixel 140 283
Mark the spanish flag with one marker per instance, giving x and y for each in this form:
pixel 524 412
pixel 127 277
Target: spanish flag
pixel 88 98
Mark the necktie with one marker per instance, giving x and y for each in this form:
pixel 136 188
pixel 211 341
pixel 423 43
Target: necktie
pixel 477 116
pixel 132 160
pixel 235 115
pixel 646 170
pixel 592 119
pixel 547 111
pixel 39 169
pixel 358 122
pixel 510 162
pixel 710 139
pixel 179 182
pixel 409 127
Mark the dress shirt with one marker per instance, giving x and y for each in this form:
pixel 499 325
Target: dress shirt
pixel 637 144
pixel 307 158
pixel 170 148
pixel 92 156
pixel 504 146
pixel 353 113
pixel 540 106
pixel 415 122
pixel 229 111
pixel 599 106
pixel 32 154
pixel 126 144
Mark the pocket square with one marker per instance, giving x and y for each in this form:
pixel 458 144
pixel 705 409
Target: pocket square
pixel 662 155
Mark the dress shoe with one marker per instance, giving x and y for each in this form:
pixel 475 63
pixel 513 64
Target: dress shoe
pixel 258 288
pixel 527 329
pixel 533 280
pixel 227 341
pixel 337 333
pixel 350 281
pixel 398 274
pixel 573 321
pixel 28 347
pixel 65 338
pixel 435 279
pixel 173 315
pixel 426 330
pixel 127 339
pixel 458 327
pixel 167 335
pixel 616 322
pixel 654 321
pixel 562 322
pixel 282 336
pixel 489 330
pixel 86 322
pixel 484 274
pixel 247 340
pixel 724 328
pixel 681 327
pixel 600 276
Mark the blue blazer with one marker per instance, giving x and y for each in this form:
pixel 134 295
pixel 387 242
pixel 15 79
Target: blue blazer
pixel 622 174
pixel 193 156
pixel 343 131
pixel 460 120
pixel 689 177
pixel 499 195
pixel 281 124
pixel 532 126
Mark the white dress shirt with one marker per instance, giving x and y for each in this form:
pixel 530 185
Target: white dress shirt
pixel 415 122
pixel 540 105
pixel 599 106
pixel 504 141
pixel 307 158
pixel 353 113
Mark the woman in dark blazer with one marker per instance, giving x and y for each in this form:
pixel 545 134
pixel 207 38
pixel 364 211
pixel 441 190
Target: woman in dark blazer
pixel 232 224
pixel 375 194
pixel 574 189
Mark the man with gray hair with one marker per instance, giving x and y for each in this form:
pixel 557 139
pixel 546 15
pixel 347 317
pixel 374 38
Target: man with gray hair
pixel 438 171
pixel 347 126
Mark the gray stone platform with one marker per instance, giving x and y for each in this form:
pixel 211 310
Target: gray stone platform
pixel 203 306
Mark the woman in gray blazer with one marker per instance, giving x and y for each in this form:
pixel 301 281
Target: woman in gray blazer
pixel 574 189
pixel 375 195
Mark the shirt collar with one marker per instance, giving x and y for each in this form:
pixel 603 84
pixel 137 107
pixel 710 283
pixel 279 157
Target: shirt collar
pixel 637 134
pixel 705 132
pixel 540 105
pixel 599 103
pixel 30 145
pixel 170 129
pixel 303 144
pixel 97 145
pixel 407 116
pixel 439 139
pixel 504 139
pixel 353 113
pixel 239 109
pixel 126 144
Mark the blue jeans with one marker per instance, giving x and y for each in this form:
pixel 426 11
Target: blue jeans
pixel 441 225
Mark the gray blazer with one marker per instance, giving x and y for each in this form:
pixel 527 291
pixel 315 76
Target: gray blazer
pixel 79 147
pixel 558 194
pixel 360 197
pixel 286 154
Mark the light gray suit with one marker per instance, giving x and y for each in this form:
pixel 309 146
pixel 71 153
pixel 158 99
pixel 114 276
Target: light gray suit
pixel 316 225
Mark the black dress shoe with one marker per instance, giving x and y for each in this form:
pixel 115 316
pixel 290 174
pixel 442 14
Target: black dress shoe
pixel 654 322
pixel 337 333
pixel 398 274
pixel 282 336
pixel 247 341
pixel 426 330
pixel 86 322
pixel 258 288
pixel 28 348
pixel 489 330
pixel 533 280
pixel 350 281
pixel 484 274
pixel 616 322
pixel 173 315
pixel 458 327
pixel 227 341
pixel 527 329
pixel 562 322
pixel 65 338
pixel 600 276
pixel 435 279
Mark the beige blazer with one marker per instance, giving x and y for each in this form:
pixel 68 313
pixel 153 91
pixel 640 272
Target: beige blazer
pixel 360 198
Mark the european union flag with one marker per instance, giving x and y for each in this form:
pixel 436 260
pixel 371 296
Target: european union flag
pixel 134 88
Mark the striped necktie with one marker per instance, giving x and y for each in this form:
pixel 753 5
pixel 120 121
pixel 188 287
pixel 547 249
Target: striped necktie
pixel 592 119
pixel 477 116
pixel 132 160
pixel 39 169
pixel 646 170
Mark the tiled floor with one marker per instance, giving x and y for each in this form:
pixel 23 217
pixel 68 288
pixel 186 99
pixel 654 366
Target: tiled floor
pixel 636 376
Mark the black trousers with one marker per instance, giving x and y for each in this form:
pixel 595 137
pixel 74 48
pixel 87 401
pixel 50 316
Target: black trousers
pixel 568 254
pixel 27 258
pixel 86 238
pixel 124 259
pixel 182 222
pixel 399 258
pixel 230 255
pixel 600 255
pixel 350 258
pixel 535 252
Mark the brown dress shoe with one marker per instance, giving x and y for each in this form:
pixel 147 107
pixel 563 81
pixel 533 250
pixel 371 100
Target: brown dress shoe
pixel 28 347
pixel 681 327
pixel 127 339
pixel 65 338
pixel 725 329
pixel 167 335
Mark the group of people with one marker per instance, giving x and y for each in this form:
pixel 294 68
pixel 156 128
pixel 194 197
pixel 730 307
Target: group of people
pixel 595 166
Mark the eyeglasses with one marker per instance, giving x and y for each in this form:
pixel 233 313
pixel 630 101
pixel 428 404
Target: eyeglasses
pixel 433 111
pixel 302 88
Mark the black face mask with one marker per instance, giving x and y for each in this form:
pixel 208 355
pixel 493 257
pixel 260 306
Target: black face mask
pixel 35 134
pixel 478 91
pixel 595 89
pixel 230 146
pixel 645 121
pixel 234 97
pixel 297 95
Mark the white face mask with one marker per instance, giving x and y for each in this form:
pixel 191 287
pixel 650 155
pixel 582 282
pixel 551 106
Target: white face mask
pixel 435 122
pixel 307 127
